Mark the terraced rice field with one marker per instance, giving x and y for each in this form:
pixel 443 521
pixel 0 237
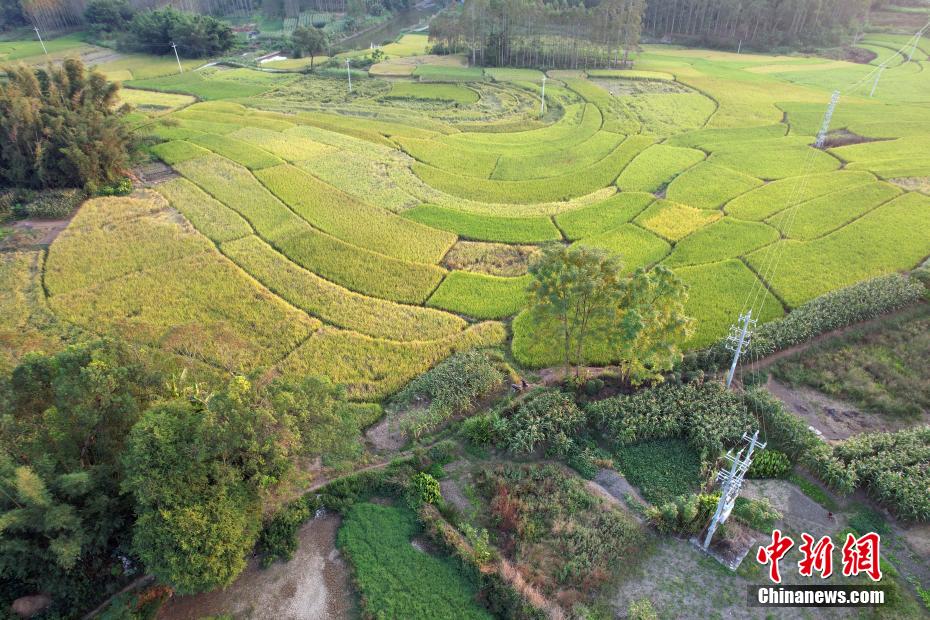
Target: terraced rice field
pixel 310 228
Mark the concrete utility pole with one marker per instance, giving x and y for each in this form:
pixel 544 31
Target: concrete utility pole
pixel 910 56
pixel 542 102
pixel 825 126
pixel 732 482
pixel 176 57
pixel 877 78
pixel 349 74
pixel 739 337
pixel 739 49
pixel 36 28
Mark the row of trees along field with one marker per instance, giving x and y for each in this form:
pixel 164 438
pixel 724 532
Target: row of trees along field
pixel 541 33
pixel 761 23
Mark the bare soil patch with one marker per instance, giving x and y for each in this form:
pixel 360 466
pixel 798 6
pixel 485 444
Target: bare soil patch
pixel 799 512
pixel 155 172
pixel 496 259
pixel 615 488
pixel 32 234
pixel 834 419
pixel 313 585
pixel 683 582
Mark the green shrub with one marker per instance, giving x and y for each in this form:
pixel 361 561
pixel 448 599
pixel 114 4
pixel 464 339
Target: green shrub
pixel 123 187
pixel 547 419
pixel 661 469
pixel 687 514
pixel 814 492
pixel 706 415
pixel 443 452
pixel 642 609
pixel 452 387
pixel 423 489
pixel 759 514
pixel 892 467
pixel 770 464
pixel 479 429
pixel 866 520
pixel 53 204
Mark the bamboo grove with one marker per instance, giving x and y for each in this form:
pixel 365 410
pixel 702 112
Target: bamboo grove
pixel 523 33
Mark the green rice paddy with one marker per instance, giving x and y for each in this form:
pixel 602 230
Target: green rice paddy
pixel 336 210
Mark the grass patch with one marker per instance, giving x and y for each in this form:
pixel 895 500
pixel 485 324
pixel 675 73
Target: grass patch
pixel 213 219
pixel 451 93
pixel 486 227
pixel 603 216
pixel 210 84
pixel 637 247
pixel 396 580
pixel 442 73
pixel 480 296
pixel 774 160
pixel 814 491
pixel 655 167
pixel 771 198
pixel 288 146
pixel 240 152
pixel 707 186
pixel 673 221
pixel 888 239
pixel 349 219
pixel 335 304
pixel 878 368
pixel 662 469
pixel 726 238
pixel 716 293
pixel 176 151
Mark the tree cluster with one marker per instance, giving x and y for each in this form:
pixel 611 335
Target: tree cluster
pixel 61 127
pixel 108 16
pixel 760 23
pixel 541 34
pixel 196 36
pixel 11 14
pixel 103 472
pixel 581 296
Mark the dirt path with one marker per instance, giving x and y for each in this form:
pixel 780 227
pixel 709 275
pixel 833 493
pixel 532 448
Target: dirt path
pixel 314 584
pixel 614 488
pixel 33 234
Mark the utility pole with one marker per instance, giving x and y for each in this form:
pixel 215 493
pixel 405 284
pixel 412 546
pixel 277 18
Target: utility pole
pixel 36 28
pixel 176 57
pixel 738 338
pixel 542 102
pixel 910 56
pixel 825 127
pixel 739 49
pixel 349 74
pixel 732 482
pixel 877 78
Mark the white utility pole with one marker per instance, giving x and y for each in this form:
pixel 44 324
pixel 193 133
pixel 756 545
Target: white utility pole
pixel 910 56
pixel 176 57
pixel 877 78
pixel 825 127
pixel 349 74
pixel 36 28
pixel 739 49
pixel 542 102
pixel 732 482
pixel 738 338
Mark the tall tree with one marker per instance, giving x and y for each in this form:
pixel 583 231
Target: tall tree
pixel 575 288
pixel 310 41
pixel 583 295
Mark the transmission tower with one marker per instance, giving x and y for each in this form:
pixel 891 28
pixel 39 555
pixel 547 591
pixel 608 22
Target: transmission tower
pixel 739 337
pixel 825 127
pixel 349 74
pixel 881 70
pixel 731 482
